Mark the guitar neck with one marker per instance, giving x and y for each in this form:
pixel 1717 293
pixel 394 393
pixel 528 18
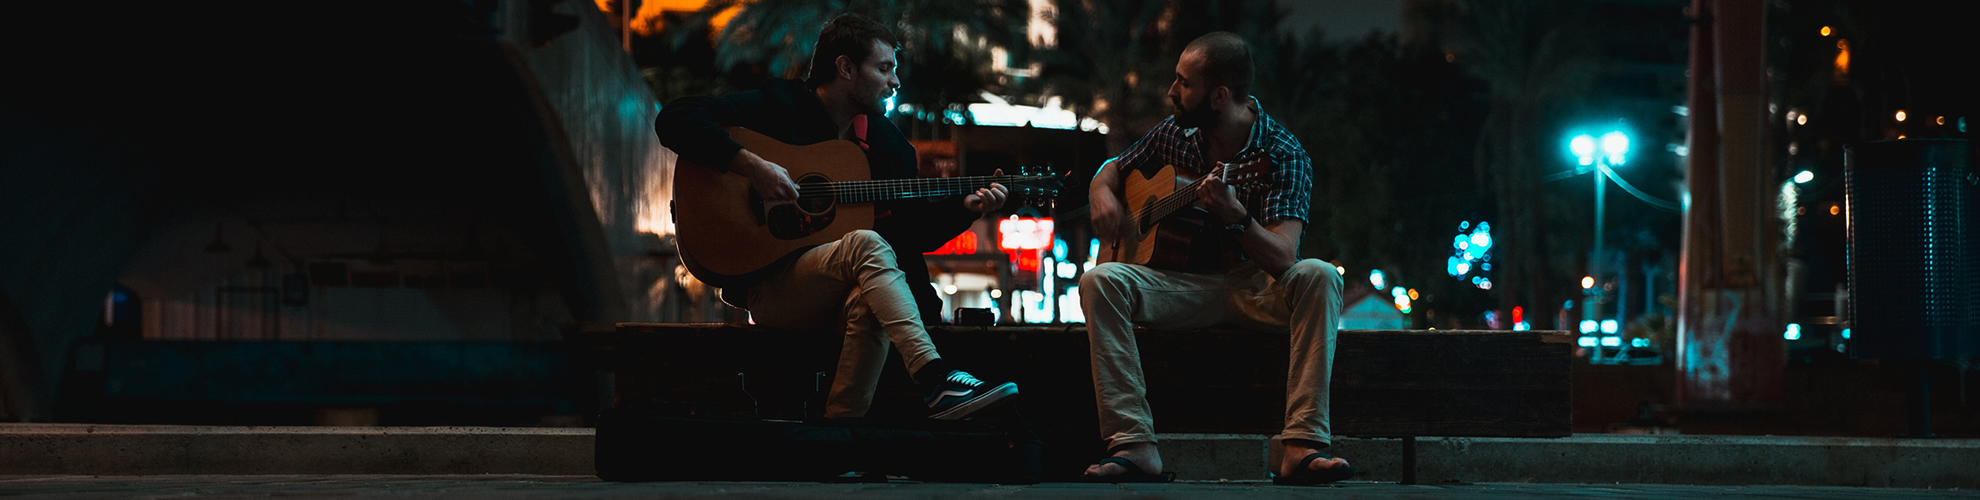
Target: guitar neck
pixel 901 189
pixel 1154 212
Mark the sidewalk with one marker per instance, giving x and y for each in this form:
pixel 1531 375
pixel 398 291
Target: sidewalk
pixel 132 450
pixel 504 487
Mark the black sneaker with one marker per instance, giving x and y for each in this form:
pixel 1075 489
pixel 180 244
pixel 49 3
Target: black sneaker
pixel 960 395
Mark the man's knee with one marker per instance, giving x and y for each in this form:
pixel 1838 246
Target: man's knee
pixel 867 242
pixel 1103 277
pixel 1314 273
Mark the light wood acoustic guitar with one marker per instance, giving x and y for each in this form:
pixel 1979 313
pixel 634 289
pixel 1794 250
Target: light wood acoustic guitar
pixel 728 234
pixel 1165 229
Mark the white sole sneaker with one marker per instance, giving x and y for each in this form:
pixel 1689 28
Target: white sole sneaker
pixel 990 397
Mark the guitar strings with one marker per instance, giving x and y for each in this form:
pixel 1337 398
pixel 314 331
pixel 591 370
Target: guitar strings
pixel 1148 215
pixel 872 190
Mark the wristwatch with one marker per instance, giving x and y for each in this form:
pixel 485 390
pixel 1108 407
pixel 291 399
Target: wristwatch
pixel 1239 226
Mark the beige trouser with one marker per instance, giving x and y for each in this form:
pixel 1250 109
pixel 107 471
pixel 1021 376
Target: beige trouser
pixel 1305 301
pixel 853 281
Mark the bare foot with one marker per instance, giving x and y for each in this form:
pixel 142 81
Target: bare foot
pixel 1297 450
pixel 1143 455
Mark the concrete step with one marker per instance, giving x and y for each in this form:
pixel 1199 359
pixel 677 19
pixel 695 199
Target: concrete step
pixel 1586 458
pixel 179 449
pixel 1612 458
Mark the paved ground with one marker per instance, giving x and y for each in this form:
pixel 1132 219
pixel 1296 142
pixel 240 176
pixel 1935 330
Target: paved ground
pixel 500 487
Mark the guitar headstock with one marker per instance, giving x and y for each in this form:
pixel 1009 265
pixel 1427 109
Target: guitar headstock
pixel 1253 169
pixel 1034 182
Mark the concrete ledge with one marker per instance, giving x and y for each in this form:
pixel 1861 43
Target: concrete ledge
pixel 168 449
pixel 78 449
pixel 1701 460
pixel 1613 458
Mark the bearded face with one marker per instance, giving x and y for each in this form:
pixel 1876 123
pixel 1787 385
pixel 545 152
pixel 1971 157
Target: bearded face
pixel 1191 92
pixel 1193 114
pixel 874 80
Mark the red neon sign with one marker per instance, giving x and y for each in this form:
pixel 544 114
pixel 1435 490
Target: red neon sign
pixel 962 244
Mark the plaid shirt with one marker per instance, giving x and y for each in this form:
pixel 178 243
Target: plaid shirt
pixel 1291 192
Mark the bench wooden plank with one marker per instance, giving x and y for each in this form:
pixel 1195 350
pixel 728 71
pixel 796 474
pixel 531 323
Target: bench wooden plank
pixel 1386 383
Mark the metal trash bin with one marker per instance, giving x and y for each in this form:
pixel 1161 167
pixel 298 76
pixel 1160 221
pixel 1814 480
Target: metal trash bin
pixel 1914 249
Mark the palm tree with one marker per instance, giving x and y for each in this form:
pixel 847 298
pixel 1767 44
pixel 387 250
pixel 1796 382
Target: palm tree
pixel 1115 58
pixel 946 45
pixel 1531 53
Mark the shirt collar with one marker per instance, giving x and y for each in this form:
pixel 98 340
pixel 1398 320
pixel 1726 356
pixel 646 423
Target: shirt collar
pixel 1259 132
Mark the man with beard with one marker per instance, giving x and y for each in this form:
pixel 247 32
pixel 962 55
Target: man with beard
pixel 1216 122
pixel 858 281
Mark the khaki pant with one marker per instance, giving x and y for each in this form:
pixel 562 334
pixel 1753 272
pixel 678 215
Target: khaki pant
pixel 1306 301
pixel 853 282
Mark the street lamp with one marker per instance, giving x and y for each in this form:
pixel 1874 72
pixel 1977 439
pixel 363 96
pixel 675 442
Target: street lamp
pixel 1614 147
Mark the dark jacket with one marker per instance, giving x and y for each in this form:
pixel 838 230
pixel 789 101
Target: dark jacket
pixel 789 111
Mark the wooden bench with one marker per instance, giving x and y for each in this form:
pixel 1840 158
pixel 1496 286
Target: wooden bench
pixel 1387 383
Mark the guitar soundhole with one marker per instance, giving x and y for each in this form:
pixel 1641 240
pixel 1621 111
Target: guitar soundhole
pixel 817 200
pixel 813 212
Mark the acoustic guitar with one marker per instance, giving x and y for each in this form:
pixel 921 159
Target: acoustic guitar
pixel 1165 229
pixel 728 234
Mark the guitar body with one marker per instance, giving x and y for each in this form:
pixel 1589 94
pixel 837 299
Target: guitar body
pixel 1181 241
pixel 729 234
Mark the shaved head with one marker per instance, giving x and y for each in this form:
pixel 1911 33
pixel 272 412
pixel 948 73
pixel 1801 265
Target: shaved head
pixel 1226 61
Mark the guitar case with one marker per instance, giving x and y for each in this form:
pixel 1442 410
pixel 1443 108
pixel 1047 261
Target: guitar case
pixel 674 443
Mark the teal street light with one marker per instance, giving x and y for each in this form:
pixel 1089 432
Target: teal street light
pixel 1613 148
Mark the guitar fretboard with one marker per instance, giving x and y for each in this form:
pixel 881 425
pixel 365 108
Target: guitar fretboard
pixel 900 189
pixel 1154 212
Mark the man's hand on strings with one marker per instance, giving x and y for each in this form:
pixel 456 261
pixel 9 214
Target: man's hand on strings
pixel 988 199
pixel 769 179
pixel 1219 198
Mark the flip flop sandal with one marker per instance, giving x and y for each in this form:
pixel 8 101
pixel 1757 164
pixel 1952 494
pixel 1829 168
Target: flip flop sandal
pixel 1134 473
pixel 1309 477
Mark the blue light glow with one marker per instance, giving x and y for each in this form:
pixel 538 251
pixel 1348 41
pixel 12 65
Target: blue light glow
pixel 1588 326
pixel 1609 326
pixel 1583 148
pixel 1804 177
pixel 1059 249
pixel 1615 145
pixel 1585 342
pixel 1470 249
pixel 1639 342
pixel 1611 341
pixel 1376 278
pixel 1845 334
pixel 1793 332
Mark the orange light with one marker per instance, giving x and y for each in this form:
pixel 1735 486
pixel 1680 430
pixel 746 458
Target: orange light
pixel 651 15
pixel 1941 120
pixel 1842 62
pixel 1835 209
pixel 1825 31
pixel 1587 282
pixel 1801 120
pixel 1900 115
